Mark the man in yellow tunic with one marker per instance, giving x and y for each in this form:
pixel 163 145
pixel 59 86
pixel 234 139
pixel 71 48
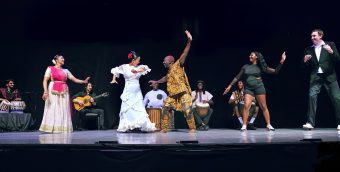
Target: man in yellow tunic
pixel 178 88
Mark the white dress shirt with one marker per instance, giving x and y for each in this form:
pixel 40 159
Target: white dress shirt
pixel 317 49
pixel 151 100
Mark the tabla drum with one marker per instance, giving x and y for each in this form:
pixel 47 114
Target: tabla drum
pixel 155 116
pixel 202 109
pixel 5 106
pixel 252 109
pixel 17 106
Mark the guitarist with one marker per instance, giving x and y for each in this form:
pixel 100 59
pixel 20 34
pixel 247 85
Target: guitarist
pixel 80 115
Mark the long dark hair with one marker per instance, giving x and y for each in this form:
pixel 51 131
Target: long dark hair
pixel 261 61
pixel 203 86
pixel 86 87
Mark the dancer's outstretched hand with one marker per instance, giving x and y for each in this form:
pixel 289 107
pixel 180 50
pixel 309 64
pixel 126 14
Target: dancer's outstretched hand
pixel 113 81
pixel 134 71
pixel 328 48
pixel 188 35
pixel 86 80
pixel 283 57
pixel 227 90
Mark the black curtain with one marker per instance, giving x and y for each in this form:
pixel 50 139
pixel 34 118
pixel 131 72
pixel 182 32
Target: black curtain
pixel 95 36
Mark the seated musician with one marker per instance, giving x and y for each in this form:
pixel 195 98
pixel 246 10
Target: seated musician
pixel 80 117
pixel 237 102
pixel 202 100
pixel 9 93
pixel 155 97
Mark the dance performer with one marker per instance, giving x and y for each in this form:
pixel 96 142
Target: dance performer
pixel 254 86
pixel 57 112
pixel 132 113
pixel 321 58
pixel 178 87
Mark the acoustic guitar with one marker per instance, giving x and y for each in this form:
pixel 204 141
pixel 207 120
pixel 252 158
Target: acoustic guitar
pixel 86 101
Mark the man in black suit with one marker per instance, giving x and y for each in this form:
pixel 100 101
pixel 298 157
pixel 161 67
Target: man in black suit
pixel 320 57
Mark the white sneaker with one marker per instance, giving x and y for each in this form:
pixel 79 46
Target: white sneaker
pixel 307 126
pixel 244 128
pixel 270 128
pixel 338 127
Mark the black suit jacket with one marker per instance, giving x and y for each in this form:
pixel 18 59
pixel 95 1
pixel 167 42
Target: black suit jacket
pixel 326 62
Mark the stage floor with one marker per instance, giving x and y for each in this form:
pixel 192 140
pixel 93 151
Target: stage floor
pixel 217 150
pixel 213 136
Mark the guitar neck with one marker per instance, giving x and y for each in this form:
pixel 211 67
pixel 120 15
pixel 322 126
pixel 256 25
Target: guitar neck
pixel 102 95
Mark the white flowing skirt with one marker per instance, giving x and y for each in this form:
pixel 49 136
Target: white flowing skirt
pixel 57 113
pixel 132 112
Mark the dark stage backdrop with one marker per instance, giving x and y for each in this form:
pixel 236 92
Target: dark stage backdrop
pixel 95 36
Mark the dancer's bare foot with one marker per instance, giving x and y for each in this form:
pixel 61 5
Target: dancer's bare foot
pixel 164 131
pixel 192 131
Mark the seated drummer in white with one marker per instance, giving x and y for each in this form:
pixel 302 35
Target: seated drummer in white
pixel 201 96
pixel 154 98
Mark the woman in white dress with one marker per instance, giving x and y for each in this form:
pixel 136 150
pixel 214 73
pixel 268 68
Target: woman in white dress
pixel 57 112
pixel 132 112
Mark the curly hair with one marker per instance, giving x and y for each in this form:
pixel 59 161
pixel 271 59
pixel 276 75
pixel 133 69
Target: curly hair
pixel 261 61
